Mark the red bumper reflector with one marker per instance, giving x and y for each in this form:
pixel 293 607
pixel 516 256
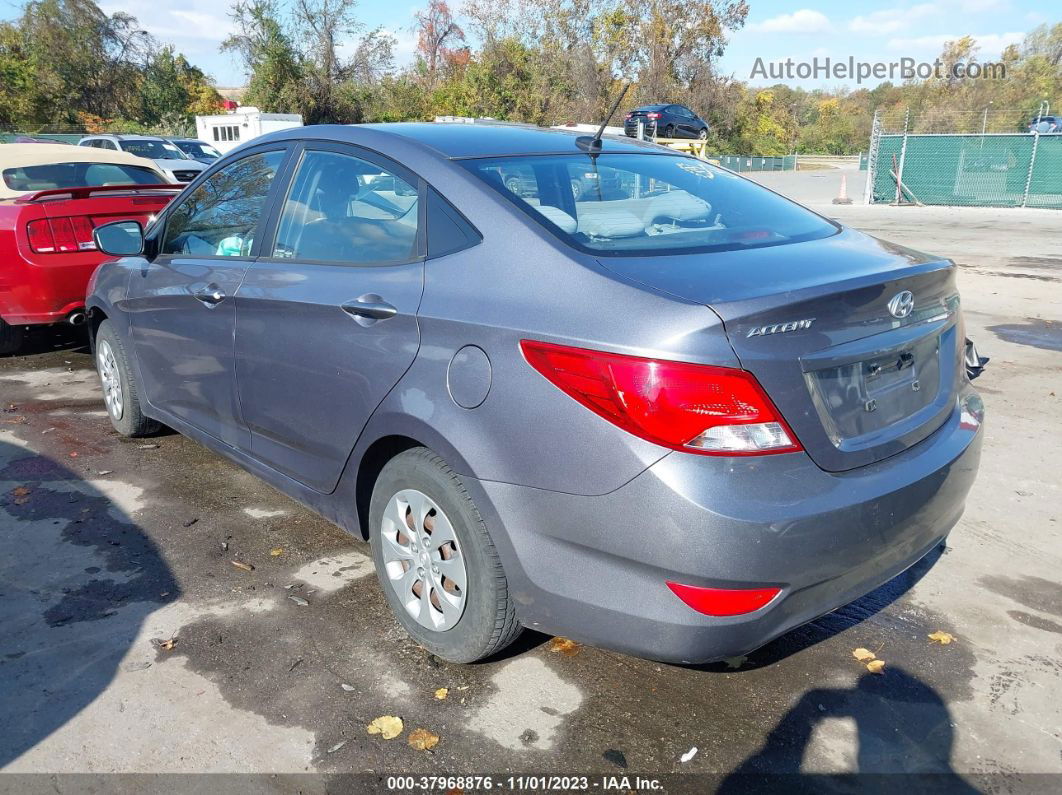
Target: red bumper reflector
pixel 723 601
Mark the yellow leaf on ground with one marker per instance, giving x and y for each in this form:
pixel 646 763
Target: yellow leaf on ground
pixel 276 551
pixel 564 646
pixel 941 637
pixel 387 726
pixel 863 655
pixel 876 666
pixel 422 739
pixel 239 564
pixel 442 693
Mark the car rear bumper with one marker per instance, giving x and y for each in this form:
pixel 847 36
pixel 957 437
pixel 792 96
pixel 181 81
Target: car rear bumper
pixel 35 294
pixel 595 568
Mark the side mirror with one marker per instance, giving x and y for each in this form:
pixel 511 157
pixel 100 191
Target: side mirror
pixel 120 239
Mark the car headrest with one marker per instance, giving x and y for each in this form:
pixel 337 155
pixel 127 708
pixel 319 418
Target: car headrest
pixel 613 224
pixel 558 217
pixel 678 205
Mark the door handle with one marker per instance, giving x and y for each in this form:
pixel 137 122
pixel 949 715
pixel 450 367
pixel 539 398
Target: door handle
pixel 371 307
pixel 211 295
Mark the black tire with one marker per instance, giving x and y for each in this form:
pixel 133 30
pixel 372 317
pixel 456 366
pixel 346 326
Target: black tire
pixel 488 623
pixel 132 421
pixel 669 131
pixel 10 338
pixel 703 134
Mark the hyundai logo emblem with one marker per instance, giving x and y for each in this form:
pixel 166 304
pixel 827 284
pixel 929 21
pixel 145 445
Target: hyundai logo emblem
pixel 901 304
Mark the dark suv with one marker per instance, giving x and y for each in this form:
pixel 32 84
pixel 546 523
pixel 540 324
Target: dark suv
pixel 1046 124
pixel 666 121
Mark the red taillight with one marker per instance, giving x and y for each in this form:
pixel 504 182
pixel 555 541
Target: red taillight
pixel 652 115
pixel 61 235
pixel 723 601
pixel 628 115
pixel 40 236
pixel 691 407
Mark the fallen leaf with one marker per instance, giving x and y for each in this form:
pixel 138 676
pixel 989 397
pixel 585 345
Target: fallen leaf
pixel 299 601
pixel 73 455
pixel 564 646
pixel 422 739
pixel 47 430
pixel 103 472
pixel 239 564
pixel 735 662
pixel 337 746
pixel 876 666
pixel 165 645
pixel 442 692
pixel 276 551
pixel 348 688
pixel 941 637
pixel 20 491
pixel 863 655
pixel 387 726
pixel 686 757
pixel 147 447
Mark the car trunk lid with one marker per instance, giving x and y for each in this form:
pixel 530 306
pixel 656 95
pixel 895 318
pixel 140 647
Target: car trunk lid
pixel 812 322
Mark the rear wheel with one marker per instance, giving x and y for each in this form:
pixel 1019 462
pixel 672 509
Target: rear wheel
pixel 121 393
pixel 436 562
pixel 10 338
pixel 669 131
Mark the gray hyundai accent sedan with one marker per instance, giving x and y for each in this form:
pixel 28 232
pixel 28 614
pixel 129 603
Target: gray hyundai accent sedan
pixel 671 413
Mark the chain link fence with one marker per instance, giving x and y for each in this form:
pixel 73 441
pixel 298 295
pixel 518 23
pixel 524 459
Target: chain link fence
pixel 959 168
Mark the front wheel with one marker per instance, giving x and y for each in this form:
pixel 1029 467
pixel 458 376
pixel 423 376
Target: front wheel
pixel 10 338
pixel 436 562
pixel 121 393
pixel 703 134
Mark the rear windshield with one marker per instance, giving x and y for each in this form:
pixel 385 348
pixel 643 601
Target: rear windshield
pixel 153 150
pixel 77 175
pixel 642 203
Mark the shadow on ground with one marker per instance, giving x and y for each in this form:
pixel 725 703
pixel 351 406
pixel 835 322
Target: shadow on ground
pixel 77 579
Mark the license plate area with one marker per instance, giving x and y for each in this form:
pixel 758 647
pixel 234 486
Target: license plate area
pixel 858 401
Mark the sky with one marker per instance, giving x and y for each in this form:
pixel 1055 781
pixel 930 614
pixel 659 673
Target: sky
pixel 871 31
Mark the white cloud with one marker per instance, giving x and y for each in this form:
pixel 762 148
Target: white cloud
pixel 196 26
pixel 805 20
pixel 892 20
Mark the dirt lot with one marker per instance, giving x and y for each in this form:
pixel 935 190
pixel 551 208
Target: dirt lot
pixel 108 544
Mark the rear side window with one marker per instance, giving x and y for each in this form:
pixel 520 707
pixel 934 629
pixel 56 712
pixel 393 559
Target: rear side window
pixel 77 175
pixel 629 204
pixel 221 216
pixel 347 210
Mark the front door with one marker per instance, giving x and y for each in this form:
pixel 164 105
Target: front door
pixel 181 303
pixel 326 319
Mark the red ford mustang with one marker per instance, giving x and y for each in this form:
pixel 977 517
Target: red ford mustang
pixel 51 197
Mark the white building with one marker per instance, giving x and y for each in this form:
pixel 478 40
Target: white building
pixel 226 131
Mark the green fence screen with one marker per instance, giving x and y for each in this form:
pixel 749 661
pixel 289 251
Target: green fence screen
pixel 972 170
pixel 747 163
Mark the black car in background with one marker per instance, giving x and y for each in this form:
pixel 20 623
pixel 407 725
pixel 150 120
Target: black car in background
pixel 1046 124
pixel 666 121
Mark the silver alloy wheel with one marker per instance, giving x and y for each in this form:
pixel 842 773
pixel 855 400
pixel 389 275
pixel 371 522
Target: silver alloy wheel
pixel 423 560
pixel 109 378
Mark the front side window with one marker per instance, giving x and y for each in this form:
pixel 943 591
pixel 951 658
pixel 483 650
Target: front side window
pixel 346 210
pixel 624 204
pixel 221 216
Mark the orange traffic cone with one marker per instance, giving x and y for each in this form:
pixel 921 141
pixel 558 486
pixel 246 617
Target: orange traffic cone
pixel 842 197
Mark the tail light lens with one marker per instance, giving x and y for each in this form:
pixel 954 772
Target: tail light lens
pixel 61 235
pixel 691 407
pixel 628 116
pixel 723 601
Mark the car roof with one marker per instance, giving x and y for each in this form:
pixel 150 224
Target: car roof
pixel 655 107
pixel 457 141
pixel 17 155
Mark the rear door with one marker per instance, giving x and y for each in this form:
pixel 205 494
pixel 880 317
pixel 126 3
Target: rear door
pixel 327 317
pixel 181 304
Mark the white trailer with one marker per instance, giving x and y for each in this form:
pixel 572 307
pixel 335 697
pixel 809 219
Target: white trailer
pixel 226 131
